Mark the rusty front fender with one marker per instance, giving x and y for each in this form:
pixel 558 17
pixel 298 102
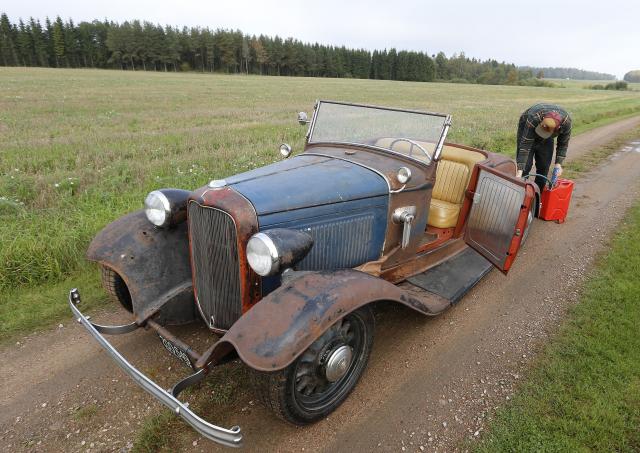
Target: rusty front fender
pixel 154 264
pixel 273 333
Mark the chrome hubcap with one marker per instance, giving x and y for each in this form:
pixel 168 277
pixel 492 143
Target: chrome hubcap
pixel 338 363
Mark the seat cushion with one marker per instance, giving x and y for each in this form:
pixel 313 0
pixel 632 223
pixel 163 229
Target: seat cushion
pixel 452 178
pixel 443 214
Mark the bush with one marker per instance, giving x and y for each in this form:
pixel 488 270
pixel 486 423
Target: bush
pixel 537 83
pixel 620 85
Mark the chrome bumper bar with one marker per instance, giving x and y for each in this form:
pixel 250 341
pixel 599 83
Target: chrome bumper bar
pixel 229 437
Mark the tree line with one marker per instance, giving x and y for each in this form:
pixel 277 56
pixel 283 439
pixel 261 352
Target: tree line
pixel 569 73
pixel 136 45
pixel 632 76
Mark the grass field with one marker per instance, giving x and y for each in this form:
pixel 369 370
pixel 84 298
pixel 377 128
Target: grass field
pixel 78 148
pixel 584 393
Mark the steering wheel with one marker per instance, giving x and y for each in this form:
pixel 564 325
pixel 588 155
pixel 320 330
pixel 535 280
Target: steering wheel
pixel 412 143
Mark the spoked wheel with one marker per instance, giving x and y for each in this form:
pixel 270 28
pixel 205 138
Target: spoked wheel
pixel 318 381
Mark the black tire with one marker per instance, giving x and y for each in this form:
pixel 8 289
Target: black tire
pixel 115 286
pixel 300 403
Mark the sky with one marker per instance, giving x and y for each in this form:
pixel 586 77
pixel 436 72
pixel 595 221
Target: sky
pixel 597 36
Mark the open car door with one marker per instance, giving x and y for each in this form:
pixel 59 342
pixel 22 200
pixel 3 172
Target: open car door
pixel 497 207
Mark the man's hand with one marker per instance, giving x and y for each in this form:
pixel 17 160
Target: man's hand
pixel 519 173
pixel 559 167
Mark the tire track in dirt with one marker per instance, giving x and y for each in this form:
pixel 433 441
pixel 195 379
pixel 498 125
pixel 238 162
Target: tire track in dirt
pixel 430 382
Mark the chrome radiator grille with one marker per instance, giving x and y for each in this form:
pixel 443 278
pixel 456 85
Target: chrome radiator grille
pixel 214 258
pixel 339 244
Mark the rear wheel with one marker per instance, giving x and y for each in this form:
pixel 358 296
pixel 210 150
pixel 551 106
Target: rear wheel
pixel 318 381
pixel 116 287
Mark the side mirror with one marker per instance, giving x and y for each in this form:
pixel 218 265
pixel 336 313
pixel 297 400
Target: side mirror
pixel 285 150
pixel 303 118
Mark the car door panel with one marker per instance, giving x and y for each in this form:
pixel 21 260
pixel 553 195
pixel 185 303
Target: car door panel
pixel 498 215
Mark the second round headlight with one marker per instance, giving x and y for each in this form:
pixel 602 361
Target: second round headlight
pixel 276 250
pixel 166 207
pixel 157 208
pixel 262 255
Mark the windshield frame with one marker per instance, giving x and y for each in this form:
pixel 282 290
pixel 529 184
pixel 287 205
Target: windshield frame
pixel 437 151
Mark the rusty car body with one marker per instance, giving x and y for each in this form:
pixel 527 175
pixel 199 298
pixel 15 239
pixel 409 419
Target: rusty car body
pixel 284 262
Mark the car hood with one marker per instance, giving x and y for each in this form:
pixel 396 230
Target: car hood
pixel 305 181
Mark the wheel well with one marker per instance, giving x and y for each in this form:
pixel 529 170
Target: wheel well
pixel 116 287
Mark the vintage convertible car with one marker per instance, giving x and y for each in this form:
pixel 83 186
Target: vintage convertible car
pixel 284 262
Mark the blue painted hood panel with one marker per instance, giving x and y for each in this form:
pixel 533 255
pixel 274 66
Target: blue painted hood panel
pixel 305 181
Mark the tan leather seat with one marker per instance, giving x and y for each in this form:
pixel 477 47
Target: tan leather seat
pixel 452 178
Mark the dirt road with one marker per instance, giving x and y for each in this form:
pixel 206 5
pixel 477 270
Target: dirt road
pixel 431 383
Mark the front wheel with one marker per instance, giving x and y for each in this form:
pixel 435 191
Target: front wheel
pixel 322 377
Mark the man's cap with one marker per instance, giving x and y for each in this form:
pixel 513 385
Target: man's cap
pixel 549 125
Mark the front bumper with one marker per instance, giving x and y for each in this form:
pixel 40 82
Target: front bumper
pixel 229 437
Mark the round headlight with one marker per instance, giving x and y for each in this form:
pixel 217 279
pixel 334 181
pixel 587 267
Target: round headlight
pixel 404 175
pixel 157 208
pixel 262 255
pixel 285 150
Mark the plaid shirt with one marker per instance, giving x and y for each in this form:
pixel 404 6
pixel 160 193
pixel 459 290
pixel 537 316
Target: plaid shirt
pixel 532 118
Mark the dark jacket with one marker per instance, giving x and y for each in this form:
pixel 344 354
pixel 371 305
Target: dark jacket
pixel 529 120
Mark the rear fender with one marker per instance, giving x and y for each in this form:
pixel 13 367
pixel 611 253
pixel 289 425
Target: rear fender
pixel 154 264
pixel 281 326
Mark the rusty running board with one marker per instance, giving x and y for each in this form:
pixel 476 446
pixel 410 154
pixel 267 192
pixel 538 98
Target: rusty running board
pixel 455 277
pixel 230 437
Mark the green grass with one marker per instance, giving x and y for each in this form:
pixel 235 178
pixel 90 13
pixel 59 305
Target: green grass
pixel 584 394
pixel 156 433
pixel 85 413
pixel 214 396
pixel 25 309
pixel 79 148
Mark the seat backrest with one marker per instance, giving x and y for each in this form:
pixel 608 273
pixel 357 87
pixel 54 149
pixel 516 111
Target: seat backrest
pixel 453 173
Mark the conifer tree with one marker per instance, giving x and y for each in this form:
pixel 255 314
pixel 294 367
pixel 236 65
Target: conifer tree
pixel 59 47
pixel 8 42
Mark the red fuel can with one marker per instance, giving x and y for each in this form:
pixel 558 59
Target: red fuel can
pixel 555 201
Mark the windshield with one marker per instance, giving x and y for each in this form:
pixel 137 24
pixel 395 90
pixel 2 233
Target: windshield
pixel 414 134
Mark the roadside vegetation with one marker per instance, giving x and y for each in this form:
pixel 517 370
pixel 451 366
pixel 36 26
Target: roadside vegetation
pixel 164 432
pixel 79 148
pixel 584 392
